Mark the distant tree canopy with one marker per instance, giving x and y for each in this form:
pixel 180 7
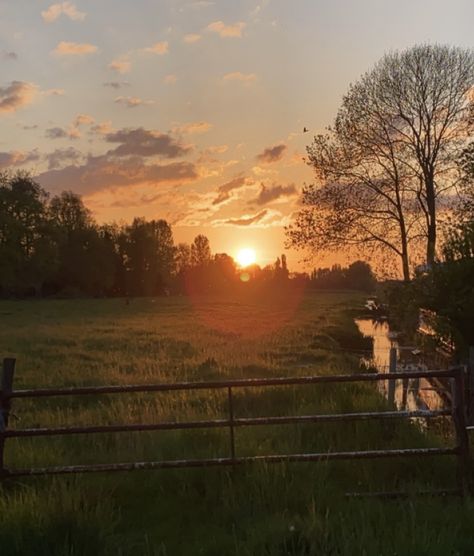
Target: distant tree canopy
pixel 53 246
pixel 392 157
pixel 357 276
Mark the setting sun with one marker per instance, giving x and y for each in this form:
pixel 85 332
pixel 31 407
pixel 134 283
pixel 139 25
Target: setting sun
pixel 246 256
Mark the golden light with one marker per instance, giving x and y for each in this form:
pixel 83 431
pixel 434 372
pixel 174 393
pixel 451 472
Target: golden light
pixel 246 256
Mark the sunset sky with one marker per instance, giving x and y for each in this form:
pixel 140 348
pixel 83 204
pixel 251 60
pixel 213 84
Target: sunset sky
pixel 193 111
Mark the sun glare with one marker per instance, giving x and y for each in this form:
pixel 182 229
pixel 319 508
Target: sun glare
pixel 246 257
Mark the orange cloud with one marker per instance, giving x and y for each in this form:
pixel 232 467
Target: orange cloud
pixel 191 38
pixel 159 48
pixel 65 8
pixel 65 48
pixel 133 102
pixel 17 158
pixel 16 95
pixel 121 65
pixel 192 128
pixel 246 78
pixel 83 119
pixel 226 31
pixel 265 218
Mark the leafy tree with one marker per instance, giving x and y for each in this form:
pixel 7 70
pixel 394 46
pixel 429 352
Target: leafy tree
pixel 391 156
pixel 87 255
pixel 27 257
pixel 359 276
pixel 69 213
pixel 149 256
pixel 448 288
pixel 200 251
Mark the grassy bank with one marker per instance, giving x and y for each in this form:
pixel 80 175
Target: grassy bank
pixel 270 510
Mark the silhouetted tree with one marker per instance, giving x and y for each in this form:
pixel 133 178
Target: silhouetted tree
pixel 359 276
pixel 149 256
pixel 27 256
pixel 200 251
pixel 391 155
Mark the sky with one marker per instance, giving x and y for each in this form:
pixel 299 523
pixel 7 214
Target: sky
pixel 193 111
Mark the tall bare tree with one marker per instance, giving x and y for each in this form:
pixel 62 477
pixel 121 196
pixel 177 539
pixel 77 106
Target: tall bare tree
pixel 391 156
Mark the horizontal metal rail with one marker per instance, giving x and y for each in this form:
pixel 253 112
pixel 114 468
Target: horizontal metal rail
pixel 241 422
pixel 405 494
pixel 218 384
pixel 223 462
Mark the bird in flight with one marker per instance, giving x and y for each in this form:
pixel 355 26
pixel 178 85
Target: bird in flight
pixel 305 129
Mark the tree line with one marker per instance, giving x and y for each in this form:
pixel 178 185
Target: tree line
pixel 53 246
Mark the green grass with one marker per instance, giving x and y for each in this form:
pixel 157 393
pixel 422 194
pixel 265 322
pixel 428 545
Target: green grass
pixel 261 509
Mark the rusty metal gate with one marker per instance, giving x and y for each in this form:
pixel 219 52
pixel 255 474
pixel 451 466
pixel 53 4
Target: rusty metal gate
pixel 456 412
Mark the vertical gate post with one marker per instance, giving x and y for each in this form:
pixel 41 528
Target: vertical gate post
pixel 6 385
pixel 231 422
pixel 462 439
pixel 470 390
pixel 392 369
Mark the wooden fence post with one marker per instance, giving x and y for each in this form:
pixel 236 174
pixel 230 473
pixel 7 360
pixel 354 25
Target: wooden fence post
pixel 6 384
pixel 392 369
pixel 462 439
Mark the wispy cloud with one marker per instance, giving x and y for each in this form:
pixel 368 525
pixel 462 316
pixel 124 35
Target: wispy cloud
pixel 18 158
pixel 225 190
pixel 59 157
pixel 133 102
pixel 265 218
pixel 245 78
pixel 116 84
pixel 123 64
pixel 273 193
pixel 192 128
pixel 65 48
pixel 191 38
pixel 159 48
pixel 245 220
pixel 105 171
pixel 83 119
pixel 67 9
pixel 62 133
pixel 16 95
pixel 102 128
pixel 272 154
pixel 144 142
pixel 233 30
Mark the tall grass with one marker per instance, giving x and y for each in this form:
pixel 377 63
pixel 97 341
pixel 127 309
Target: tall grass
pixel 262 509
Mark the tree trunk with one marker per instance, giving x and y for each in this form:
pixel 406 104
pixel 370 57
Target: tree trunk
pixel 431 232
pixel 405 266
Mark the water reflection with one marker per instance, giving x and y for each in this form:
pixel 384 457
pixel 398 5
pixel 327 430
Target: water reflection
pixel 406 394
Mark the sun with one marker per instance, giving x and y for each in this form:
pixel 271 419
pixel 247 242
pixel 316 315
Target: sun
pixel 246 256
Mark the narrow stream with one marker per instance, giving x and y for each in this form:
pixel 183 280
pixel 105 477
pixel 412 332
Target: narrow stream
pixel 406 394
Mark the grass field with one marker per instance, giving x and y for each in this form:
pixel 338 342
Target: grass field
pixel 268 510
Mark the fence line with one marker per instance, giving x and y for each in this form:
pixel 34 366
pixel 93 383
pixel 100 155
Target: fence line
pixel 456 412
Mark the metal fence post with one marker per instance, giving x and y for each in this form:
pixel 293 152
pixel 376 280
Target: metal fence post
pixel 470 390
pixel 462 439
pixel 392 369
pixel 231 423
pixel 8 371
